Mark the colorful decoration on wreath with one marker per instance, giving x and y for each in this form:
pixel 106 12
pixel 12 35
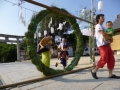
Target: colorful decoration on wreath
pixel 52 30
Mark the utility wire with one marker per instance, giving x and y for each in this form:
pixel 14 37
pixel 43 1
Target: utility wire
pixel 19 5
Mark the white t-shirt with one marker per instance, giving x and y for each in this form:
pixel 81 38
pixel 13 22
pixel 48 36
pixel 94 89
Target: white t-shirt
pixel 61 45
pixel 99 36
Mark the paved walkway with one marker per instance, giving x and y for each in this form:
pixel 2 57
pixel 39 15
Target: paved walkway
pixel 22 71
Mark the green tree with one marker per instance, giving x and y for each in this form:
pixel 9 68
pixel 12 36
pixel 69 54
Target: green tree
pixel 71 38
pixel 8 53
pixel 23 44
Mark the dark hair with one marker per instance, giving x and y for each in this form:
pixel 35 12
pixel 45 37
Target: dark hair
pixel 109 22
pixel 49 34
pixel 98 17
pixel 65 46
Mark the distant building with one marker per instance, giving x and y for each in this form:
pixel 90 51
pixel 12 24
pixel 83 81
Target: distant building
pixel 116 25
pixel 116 38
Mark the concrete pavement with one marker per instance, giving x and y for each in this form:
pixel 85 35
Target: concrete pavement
pixel 22 71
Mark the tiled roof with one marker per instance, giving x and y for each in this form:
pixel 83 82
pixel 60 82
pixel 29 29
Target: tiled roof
pixel 116 23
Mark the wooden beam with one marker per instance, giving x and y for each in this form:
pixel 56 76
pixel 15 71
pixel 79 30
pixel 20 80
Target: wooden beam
pixel 43 78
pixel 57 11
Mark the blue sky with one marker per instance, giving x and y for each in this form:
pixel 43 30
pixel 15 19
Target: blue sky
pixel 11 24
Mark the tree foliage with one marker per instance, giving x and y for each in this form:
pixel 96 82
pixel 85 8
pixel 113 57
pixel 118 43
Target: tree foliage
pixel 23 44
pixel 8 53
pixel 71 38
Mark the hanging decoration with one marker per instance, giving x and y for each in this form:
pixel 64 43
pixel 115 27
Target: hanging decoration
pixel 20 12
pixel 50 23
pixel 39 34
pixel 84 12
pixel 45 32
pixel 100 5
pixel 64 22
pixel 60 26
pixel 35 36
pixel 52 30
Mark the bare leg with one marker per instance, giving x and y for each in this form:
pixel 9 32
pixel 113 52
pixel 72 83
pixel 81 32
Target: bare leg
pixel 110 72
pixel 93 72
pixel 95 69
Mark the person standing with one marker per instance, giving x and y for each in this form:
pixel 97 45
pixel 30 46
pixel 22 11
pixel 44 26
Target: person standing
pixel 104 49
pixel 46 55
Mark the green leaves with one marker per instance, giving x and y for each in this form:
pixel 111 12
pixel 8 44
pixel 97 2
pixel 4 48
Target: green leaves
pixel 8 53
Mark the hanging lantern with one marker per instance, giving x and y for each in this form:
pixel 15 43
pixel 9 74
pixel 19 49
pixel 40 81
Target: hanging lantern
pixel 45 32
pixel 39 34
pixel 100 5
pixel 52 30
pixel 34 35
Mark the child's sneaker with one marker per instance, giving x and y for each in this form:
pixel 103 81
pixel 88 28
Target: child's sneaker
pixel 56 64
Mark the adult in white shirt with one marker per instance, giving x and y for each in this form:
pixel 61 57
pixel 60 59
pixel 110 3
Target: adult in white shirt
pixel 104 48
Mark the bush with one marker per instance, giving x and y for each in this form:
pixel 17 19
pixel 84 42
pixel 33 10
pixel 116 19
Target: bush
pixel 8 52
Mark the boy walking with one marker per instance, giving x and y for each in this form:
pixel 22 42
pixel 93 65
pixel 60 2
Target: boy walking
pixel 63 57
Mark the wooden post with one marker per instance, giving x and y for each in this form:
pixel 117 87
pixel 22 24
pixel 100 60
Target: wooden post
pixel 18 50
pixel 92 29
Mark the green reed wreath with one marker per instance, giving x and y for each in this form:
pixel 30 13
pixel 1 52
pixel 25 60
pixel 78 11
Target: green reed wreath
pixel 31 49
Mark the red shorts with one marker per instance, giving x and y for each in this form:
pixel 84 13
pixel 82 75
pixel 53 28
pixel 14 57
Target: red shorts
pixel 107 56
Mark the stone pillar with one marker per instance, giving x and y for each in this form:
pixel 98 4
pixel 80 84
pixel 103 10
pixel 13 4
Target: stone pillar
pixel 6 39
pixel 18 50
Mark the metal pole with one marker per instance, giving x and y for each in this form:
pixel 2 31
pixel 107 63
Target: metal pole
pixel 92 28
